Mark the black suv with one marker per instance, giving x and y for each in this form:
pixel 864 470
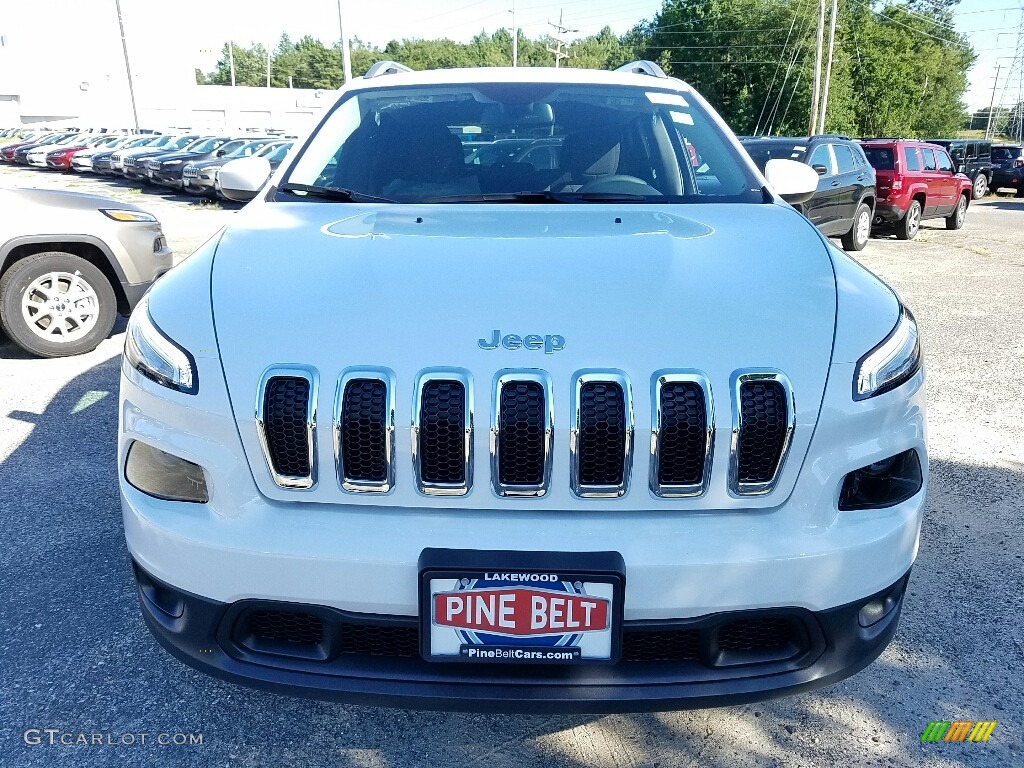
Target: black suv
pixel 1008 168
pixel 973 158
pixel 844 204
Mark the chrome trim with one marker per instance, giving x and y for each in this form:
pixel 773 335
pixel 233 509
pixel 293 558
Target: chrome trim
pixel 659 380
pixel 443 489
pixel 501 379
pixel 291 482
pixel 599 491
pixel 739 378
pixel 375 374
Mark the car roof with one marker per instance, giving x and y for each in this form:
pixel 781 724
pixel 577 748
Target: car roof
pixel 474 75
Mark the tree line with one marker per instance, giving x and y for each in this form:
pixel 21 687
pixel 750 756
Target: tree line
pixel 899 69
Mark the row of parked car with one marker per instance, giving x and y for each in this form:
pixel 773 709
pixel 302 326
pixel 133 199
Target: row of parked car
pixel 889 185
pixel 187 162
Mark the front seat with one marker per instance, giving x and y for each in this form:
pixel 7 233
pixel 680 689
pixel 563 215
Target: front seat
pixel 421 159
pixel 587 156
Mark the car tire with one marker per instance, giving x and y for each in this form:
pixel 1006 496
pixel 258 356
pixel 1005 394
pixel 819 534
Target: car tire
pixel 980 188
pixel 860 231
pixel 955 220
pixel 908 227
pixel 54 281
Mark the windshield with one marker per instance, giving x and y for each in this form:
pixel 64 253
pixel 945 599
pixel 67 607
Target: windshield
pixel 879 157
pixel 275 153
pixel 181 141
pixel 202 146
pixel 763 151
pixel 454 143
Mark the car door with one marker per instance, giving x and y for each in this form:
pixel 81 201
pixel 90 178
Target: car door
pixel 851 177
pixel 821 209
pixel 937 197
pixel 947 178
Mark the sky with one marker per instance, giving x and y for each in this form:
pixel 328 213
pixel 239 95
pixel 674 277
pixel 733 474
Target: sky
pixel 990 25
pixel 168 40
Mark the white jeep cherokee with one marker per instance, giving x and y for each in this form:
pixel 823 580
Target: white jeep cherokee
pixel 590 420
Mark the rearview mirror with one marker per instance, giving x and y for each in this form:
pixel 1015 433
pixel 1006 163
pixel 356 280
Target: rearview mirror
pixel 794 182
pixel 242 179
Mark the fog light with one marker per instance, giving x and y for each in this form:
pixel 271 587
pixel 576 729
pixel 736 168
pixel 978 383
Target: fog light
pixel 164 476
pixel 880 607
pixel 882 484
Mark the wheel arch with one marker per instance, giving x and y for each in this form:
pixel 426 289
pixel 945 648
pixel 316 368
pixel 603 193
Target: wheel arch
pixel 87 247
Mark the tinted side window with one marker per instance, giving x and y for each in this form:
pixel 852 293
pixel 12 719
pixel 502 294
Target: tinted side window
pixel 821 156
pixel 945 164
pixel 972 151
pixel 881 158
pixel 929 159
pixel 913 161
pixel 984 151
pixel 845 161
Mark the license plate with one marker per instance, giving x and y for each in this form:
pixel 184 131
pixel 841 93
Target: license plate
pixel 522 608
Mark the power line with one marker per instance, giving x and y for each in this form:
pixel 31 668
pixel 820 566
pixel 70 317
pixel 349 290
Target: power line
pixel 907 26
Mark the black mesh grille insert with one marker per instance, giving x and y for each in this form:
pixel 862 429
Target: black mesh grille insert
pixel 378 640
pixel 285 413
pixel 683 438
pixel 660 645
pixel 767 634
pixel 364 430
pixel 442 436
pixel 521 434
pixel 602 433
pixel 764 417
pixel 286 627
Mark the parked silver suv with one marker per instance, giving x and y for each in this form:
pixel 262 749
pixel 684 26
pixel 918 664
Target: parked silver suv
pixel 69 263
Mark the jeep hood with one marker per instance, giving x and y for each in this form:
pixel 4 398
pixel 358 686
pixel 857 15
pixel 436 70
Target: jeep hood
pixel 715 288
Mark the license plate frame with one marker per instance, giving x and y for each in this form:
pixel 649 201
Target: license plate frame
pixel 582 577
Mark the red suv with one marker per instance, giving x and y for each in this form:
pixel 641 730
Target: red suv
pixel 916 181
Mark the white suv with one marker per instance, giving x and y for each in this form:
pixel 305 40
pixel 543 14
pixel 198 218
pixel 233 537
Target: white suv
pixel 619 432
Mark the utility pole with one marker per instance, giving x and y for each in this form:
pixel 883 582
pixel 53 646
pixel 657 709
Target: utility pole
pixel 515 36
pixel 816 87
pixel 828 66
pixel 346 50
pixel 559 41
pixel 231 59
pixel 992 104
pixel 127 66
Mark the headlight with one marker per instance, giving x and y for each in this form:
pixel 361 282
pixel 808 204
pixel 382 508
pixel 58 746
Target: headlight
pixel 211 169
pixel 122 214
pixel 173 162
pixel 151 353
pixel 892 362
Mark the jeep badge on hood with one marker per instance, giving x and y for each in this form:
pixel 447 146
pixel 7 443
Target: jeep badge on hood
pixel 550 343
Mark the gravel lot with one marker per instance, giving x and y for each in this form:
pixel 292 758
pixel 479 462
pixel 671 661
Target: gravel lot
pixel 76 656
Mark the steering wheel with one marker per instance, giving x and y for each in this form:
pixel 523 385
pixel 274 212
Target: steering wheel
pixel 619 183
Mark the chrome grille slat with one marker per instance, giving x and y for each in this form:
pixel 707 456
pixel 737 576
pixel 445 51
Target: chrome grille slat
pixel 764 419
pixel 286 425
pixel 601 435
pixel 364 431
pixel 442 433
pixel 682 434
pixel 522 430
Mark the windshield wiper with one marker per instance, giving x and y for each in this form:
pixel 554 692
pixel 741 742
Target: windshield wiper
pixel 335 193
pixel 541 196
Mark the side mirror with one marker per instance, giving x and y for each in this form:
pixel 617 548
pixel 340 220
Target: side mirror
pixel 242 179
pixel 794 182
pixel 821 170
pixel 220 153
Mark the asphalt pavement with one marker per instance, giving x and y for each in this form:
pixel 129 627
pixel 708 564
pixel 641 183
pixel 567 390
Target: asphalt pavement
pixel 77 663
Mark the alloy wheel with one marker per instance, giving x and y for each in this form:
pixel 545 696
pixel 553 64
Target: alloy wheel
pixel 60 306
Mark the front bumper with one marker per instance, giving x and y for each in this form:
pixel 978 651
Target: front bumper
pixel 166 178
pixel 380 667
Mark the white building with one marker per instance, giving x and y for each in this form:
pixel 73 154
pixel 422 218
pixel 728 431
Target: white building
pixel 60 63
